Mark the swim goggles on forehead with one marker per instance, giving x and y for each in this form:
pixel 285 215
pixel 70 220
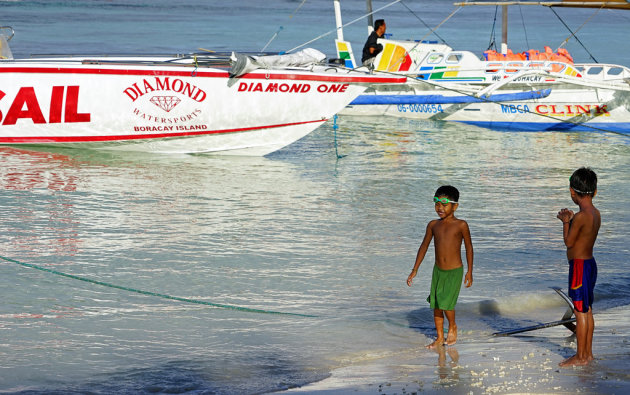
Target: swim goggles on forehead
pixel 577 190
pixel 443 200
pixel 582 192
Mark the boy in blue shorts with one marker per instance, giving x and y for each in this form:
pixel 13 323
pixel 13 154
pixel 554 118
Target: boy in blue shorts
pixel 448 233
pixel 580 232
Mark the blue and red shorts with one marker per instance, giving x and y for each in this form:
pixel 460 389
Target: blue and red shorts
pixel 582 277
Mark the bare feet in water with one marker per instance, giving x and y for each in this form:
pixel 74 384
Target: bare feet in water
pixel 574 361
pixel 437 343
pixel 451 337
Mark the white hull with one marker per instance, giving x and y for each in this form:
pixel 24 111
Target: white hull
pixel 557 109
pixel 136 104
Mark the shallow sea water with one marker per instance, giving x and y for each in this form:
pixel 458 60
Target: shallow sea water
pixel 300 231
pixel 327 227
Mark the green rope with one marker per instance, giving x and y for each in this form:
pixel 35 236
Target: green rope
pixel 163 296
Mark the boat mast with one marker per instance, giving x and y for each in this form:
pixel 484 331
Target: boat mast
pixel 338 20
pixel 504 29
pixel 368 8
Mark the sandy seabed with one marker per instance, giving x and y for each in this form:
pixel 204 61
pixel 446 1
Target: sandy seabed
pixel 526 363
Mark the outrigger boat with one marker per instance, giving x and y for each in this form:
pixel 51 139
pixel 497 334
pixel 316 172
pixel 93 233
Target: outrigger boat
pixel 193 103
pixel 531 91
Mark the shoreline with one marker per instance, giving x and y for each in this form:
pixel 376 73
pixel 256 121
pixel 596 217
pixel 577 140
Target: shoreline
pixel 512 364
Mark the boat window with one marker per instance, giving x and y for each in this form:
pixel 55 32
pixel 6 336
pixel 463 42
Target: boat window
pixel 497 67
pixel 435 58
pixel 615 71
pixel 454 58
pixel 595 70
pixel 514 64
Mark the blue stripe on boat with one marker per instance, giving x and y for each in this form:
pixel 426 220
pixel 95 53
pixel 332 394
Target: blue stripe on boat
pixel 441 99
pixel 600 127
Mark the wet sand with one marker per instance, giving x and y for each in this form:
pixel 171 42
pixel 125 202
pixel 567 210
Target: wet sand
pixel 526 363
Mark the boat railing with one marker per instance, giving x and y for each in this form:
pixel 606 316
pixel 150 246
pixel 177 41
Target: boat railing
pixel 558 78
pixel 604 72
pixel 193 61
pixel 609 73
pixel 494 69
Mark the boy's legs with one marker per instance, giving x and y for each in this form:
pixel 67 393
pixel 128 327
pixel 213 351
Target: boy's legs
pixel 589 335
pixel 582 324
pixel 581 285
pixel 451 337
pixel 438 318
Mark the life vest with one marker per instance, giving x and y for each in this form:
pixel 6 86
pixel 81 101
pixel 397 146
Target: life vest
pixel 562 55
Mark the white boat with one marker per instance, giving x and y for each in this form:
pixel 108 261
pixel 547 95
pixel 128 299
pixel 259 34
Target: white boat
pixel 170 104
pixel 532 91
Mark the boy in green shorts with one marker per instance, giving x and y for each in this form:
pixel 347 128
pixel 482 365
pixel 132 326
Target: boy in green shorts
pixel 449 232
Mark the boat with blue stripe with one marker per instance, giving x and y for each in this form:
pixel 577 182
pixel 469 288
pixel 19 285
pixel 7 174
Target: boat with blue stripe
pixel 532 90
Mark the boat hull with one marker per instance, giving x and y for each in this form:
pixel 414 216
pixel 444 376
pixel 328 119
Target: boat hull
pixel 561 108
pixel 166 109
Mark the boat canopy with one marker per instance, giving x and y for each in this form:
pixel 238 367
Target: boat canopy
pixel 243 64
pixel 614 4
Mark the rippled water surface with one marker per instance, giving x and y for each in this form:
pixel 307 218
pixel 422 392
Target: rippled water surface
pixel 326 236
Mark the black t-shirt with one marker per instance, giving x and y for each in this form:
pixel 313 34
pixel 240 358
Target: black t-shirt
pixel 371 43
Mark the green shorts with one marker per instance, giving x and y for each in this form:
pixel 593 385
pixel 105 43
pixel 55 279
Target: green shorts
pixel 445 286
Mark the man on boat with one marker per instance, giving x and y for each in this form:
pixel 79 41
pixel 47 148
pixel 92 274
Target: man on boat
pixel 371 47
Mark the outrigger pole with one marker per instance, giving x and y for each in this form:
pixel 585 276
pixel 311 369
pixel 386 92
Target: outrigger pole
pixel 612 4
pixel 566 319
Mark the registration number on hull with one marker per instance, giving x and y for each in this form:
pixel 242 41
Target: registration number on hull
pixel 424 108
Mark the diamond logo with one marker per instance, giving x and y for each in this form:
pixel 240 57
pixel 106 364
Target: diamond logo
pixel 166 103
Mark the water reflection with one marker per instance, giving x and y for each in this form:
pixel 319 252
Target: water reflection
pixel 26 170
pixel 298 231
pixel 447 367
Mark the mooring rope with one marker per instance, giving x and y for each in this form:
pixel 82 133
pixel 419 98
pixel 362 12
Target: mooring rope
pixel 423 22
pixel 155 294
pixel 574 34
pixel 335 127
pixel 344 25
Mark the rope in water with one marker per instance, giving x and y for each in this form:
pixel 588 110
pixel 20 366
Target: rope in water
pixel 159 295
pixel 335 127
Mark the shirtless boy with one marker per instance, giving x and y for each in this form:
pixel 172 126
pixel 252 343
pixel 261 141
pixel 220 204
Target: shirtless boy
pixel 446 281
pixel 580 232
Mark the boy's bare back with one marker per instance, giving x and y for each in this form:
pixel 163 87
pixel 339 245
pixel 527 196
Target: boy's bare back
pixel 582 232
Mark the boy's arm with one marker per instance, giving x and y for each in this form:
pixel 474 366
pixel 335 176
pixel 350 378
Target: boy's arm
pixel 566 216
pixel 428 235
pixel 468 280
pixel 571 229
